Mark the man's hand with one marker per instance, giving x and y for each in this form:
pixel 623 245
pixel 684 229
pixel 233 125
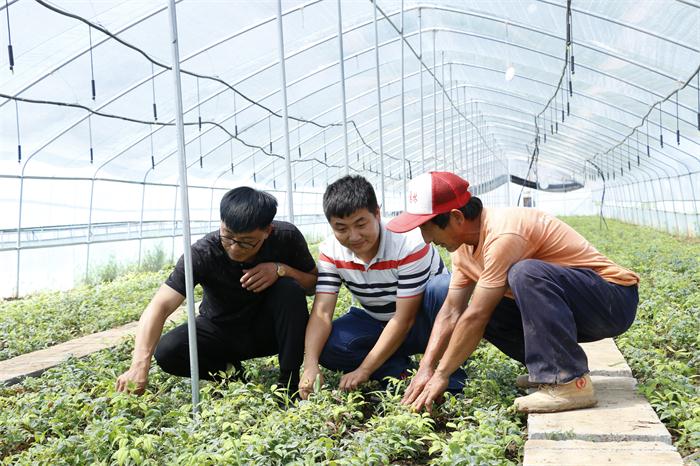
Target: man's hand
pixel 133 381
pixel 432 392
pixel 260 277
pixel 354 379
pixel 308 380
pixel 418 383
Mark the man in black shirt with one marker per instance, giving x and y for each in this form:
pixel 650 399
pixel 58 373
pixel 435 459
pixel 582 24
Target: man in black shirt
pixel 255 273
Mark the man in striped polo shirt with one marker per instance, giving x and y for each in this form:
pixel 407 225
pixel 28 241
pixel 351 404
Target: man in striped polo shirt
pixel 399 281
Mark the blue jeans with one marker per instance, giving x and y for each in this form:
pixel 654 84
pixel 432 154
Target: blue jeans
pixel 354 335
pixel 555 308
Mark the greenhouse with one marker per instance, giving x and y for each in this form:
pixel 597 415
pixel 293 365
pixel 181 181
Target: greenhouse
pixel 125 124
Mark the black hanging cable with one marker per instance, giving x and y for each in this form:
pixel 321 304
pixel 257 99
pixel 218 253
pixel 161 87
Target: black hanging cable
pixel 231 152
pixel 556 120
pixel 562 106
pixel 262 149
pixel 235 116
pixel 629 156
pixel 570 39
pixel 153 156
pixel 544 127
pixel 637 136
pixel 153 93
pixel 274 178
pixel 648 149
pixel 90 135
pixel 92 67
pixel 325 153
pixel 255 177
pixel 678 128
pixel 9 39
pixel 19 141
pixel 299 140
pixel 661 127
pixel 269 131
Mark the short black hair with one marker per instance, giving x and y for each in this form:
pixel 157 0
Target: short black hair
pixel 347 195
pixel 246 209
pixel 470 210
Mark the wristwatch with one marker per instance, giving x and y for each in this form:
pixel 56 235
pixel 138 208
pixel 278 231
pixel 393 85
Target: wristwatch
pixel 281 271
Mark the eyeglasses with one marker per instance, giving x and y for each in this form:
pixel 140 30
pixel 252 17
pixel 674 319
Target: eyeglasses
pixel 228 242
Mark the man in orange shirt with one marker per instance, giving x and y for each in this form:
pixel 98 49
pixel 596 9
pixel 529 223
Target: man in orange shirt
pixel 525 281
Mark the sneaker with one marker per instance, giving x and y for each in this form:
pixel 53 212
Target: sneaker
pixel 577 394
pixel 523 381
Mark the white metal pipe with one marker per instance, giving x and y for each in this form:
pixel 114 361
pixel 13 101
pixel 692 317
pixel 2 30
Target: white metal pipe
pixel 403 112
pixel 420 68
pixel 452 121
pixel 435 153
pixel 285 114
pixel 379 110
pixel 186 241
pixel 19 233
pixel 89 231
pixel 143 201
pixel 341 61
pixel 444 132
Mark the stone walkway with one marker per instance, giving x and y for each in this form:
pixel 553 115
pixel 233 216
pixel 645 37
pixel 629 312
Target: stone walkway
pixel 32 364
pixel 622 429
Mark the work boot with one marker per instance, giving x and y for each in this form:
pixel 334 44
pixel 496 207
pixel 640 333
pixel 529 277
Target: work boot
pixel 577 394
pixel 523 381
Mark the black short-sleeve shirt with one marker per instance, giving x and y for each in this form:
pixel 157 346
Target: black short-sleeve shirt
pixel 224 299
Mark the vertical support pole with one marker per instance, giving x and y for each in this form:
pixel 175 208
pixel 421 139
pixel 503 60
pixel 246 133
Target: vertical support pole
pixel 174 233
pixel 187 252
pixel 211 208
pixel 19 232
pixel 379 109
pixel 452 121
pixel 89 230
pixel 435 151
pixel 508 182
pixel 341 61
pixel 143 201
pixel 444 131
pixel 420 71
pixel 403 112
pixel 285 109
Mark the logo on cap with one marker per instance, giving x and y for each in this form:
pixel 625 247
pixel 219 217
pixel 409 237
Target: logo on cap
pixel 413 197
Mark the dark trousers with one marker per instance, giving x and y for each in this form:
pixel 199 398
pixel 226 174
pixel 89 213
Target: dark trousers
pixel 555 308
pixel 354 335
pixel 278 328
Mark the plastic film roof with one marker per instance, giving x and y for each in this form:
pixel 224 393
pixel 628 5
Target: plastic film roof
pixel 628 57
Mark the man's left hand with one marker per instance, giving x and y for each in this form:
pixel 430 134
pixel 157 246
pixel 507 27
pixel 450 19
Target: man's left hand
pixel 432 392
pixel 260 277
pixel 354 379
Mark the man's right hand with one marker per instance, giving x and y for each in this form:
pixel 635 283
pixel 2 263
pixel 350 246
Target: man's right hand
pixel 308 380
pixel 133 381
pixel 418 383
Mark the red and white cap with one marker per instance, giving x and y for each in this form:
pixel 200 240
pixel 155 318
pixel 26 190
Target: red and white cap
pixel 428 195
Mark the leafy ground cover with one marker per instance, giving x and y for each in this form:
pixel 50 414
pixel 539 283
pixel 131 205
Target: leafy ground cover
pixel 48 318
pixel 663 345
pixel 71 414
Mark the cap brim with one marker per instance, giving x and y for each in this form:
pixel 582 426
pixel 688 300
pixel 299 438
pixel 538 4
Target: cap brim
pixel 407 222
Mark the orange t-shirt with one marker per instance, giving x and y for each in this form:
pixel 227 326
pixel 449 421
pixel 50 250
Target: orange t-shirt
pixel 509 235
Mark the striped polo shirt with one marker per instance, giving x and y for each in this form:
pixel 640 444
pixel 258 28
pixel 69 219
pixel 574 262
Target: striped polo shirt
pixel 401 269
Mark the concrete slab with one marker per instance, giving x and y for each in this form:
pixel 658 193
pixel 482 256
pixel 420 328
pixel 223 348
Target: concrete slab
pixel 582 453
pixel 605 359
pixel 621 415
pixel 34 363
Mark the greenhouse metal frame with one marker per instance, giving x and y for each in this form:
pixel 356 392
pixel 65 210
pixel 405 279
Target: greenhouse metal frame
pixel 414 86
